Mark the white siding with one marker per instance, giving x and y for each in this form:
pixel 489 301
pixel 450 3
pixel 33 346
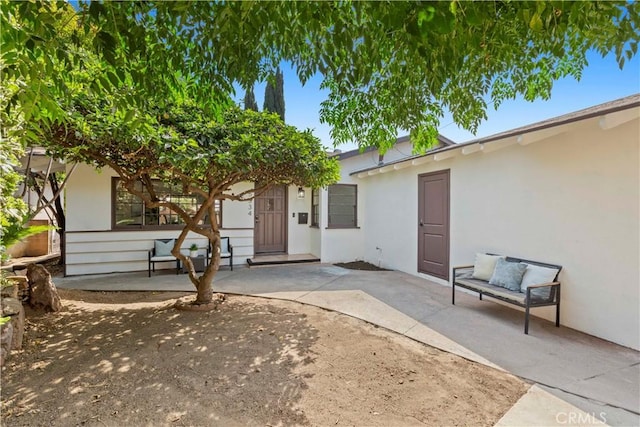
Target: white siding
pixel 92 247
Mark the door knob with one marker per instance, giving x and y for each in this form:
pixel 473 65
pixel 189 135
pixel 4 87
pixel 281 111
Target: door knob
pixel 421 223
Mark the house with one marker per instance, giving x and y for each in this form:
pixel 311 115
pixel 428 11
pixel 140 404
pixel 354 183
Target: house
pixel 565 191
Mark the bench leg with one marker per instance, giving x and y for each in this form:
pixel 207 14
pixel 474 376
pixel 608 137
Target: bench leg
pixel 558 309
pixel 149 268
pixel 480 296
pixel 453 294
pixel 526 320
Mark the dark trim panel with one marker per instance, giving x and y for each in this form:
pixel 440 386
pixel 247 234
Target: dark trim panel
pixel 355 219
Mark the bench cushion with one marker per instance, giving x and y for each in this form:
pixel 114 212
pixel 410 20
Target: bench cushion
pixel 508 274
pixel 483 286
pixel 536 275
pixel 163 248
pixel 222 255
pixel 163 258
pixel 484 266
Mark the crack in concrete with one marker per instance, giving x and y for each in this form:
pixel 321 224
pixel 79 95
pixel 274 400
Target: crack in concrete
pixel 319 287
pixel 608 372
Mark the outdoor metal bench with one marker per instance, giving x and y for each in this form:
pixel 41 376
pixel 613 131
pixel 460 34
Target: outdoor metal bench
pixel 154 257
pixel 462 277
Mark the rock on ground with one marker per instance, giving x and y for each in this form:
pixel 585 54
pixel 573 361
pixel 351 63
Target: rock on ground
pixel 43 291
pixel 11 332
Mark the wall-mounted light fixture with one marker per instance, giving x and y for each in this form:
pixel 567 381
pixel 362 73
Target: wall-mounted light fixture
pixel 300 193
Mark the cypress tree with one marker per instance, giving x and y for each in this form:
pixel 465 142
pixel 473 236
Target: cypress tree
pixel 250 100
pixel 274 95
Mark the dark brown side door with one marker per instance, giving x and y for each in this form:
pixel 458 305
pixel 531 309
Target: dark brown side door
pixel 433 224
pixel 270 232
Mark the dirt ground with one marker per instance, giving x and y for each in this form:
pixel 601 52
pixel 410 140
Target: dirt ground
pixel 360 265
pixel 130 358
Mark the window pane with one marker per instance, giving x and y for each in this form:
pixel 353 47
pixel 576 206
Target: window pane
pixel 129 214
pixel 128 208
pixel 130 211
pixel 342 205
pixel 315 204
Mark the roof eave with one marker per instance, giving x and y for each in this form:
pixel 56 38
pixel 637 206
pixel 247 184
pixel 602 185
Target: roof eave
pixel 601 110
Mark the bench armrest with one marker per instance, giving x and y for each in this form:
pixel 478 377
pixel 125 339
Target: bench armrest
pixel 543 285
pixel 454 276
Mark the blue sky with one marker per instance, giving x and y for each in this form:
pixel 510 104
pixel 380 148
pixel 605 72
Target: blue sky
pixel 601 81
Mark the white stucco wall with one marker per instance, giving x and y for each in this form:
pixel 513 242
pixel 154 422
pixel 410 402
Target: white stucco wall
pixel 315 242
pixel 238 214
pixel 572 199
pixel 298 235
pixel 88 197
pixel 345 244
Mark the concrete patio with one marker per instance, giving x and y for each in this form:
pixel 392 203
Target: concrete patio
pixel 579 379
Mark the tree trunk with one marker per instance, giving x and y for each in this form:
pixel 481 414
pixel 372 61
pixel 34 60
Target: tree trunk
pixel 205 282
pixel 60 217
pixel 205 292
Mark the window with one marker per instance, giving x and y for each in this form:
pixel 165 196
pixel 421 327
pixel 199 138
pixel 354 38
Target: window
pixel 315 207
pixel 130 212
pixel 343 206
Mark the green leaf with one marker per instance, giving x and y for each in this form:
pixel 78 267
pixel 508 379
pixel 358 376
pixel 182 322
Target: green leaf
pixel 536 23
pixel 95 9
pixel 113 78
pixel 129 116
pixel 426 15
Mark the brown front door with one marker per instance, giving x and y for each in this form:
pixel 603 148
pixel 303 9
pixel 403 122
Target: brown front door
pixel 270 232
pixel 433 224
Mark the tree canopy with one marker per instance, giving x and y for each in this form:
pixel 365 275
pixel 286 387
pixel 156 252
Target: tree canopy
pixel 204 156
pixel 388 65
